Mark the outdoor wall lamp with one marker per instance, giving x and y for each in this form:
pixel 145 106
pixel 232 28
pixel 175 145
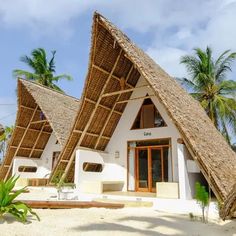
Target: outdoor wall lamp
pixel 117 154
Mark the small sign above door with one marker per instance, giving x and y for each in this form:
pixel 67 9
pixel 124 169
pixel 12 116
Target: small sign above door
pixel 147 134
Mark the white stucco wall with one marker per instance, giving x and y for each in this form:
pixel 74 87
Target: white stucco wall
pixel 44 164
pixel 123 132
pixel 193 175
pixel 110 172
pixel 116 168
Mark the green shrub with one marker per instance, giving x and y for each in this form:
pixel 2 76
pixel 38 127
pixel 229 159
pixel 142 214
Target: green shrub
pixel 202 198
pixel 61 183
pixel 7 204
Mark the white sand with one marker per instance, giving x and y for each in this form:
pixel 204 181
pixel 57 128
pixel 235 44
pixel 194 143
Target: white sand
pixel 127 221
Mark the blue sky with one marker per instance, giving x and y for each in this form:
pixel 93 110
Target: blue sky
pixel 165 29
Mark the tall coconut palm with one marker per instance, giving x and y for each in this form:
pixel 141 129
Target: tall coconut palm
pixel 208 84
pixel 43 69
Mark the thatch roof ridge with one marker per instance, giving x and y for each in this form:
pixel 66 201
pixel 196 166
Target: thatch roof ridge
pixel 69 107
pixel 48 88
pixel 201 137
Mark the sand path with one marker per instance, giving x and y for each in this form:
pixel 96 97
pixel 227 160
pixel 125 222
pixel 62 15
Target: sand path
pixel 127 221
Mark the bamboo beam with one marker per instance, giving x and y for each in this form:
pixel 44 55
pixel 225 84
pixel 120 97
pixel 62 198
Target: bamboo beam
pixel 28 108
pixel 90 100
pixel 111 112
pixel 132 99
pixel 38 122
pixel 105 107
pixel 37 139
pixel 97 135
pixel 108 73
pixel 123 91
pixel 91 116
pixel 27 148
pixel 105 71
pixel 77 131
pixel 91 134
pixel 21 141
pixel 68 165
pixel 30 129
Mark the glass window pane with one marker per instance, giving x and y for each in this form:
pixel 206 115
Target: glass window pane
pixel 156 167
pixel 143 168
pixel 165 157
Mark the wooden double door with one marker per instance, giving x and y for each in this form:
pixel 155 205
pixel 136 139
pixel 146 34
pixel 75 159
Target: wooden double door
pixel 149 168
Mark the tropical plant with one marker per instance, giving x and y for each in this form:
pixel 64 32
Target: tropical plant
pixel 208 84
pixel 4 138
pixel 202 198
pixel 43 69
pixel 2 130
pixel 8 205
pixel 60 183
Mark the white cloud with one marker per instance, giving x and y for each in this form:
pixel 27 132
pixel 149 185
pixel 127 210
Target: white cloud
pixel 45 16
pixel 178 25
pixel 217 30
pixel 41 16
pixel 168 58
pixel 220 31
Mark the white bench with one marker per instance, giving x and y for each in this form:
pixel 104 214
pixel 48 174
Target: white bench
pixel 99 187
pixel 167 190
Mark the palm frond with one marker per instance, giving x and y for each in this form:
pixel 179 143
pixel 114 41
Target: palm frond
pixel 27 60
pixel 223 66
pixel 25 74
pixel 54 86
pixel 52 63
pixel 63 76
pixel 191 63
pixel 227 87
pixel 221 57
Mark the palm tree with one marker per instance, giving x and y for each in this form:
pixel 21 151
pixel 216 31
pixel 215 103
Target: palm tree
pixel 43 70
pixel 4 138
pixel 208 84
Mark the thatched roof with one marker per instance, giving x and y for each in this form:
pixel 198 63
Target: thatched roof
pixel 114 58
pixel 41 111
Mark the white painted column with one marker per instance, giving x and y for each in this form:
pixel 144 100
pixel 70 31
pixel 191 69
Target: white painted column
pixel 182 170
pixel 76 171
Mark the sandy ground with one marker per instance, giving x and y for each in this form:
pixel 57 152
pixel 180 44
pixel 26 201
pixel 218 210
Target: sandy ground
pixel 126 221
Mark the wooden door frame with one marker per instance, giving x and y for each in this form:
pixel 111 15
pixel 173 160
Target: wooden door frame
pixel 149 159
pixel 137 189
pixel 162 165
